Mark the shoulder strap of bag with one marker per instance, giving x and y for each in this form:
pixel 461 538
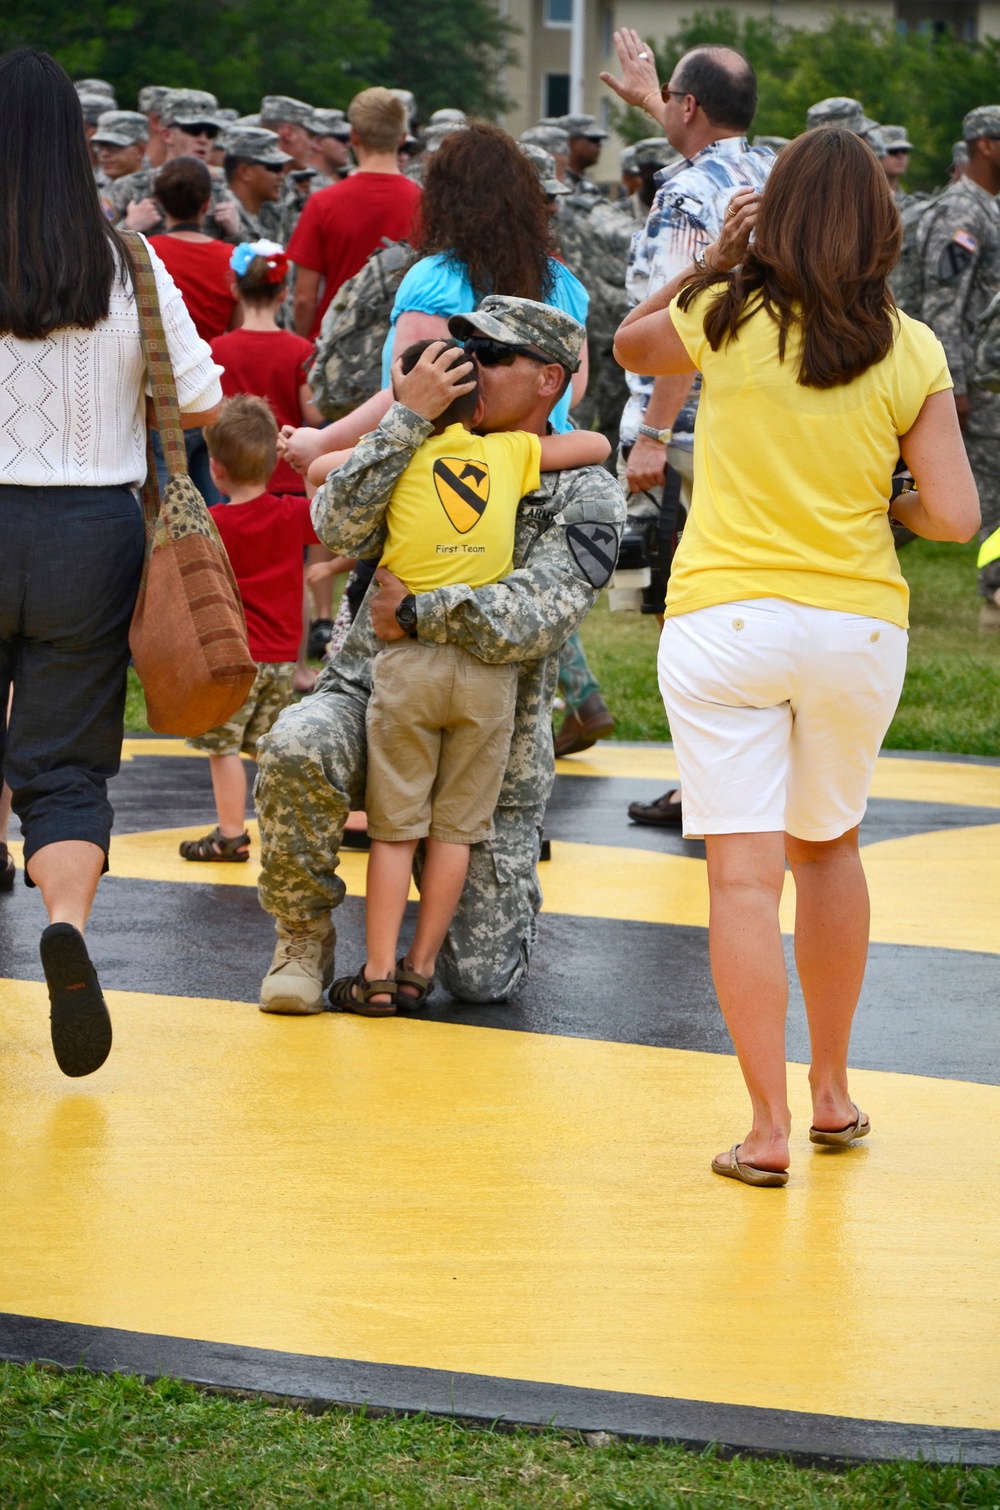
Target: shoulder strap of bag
pixel 154 345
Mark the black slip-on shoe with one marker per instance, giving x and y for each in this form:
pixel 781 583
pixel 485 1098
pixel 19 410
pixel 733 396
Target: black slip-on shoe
pixel 80 1022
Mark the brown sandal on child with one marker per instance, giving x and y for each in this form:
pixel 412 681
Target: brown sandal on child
pixel 422 984
pixel 353 993
pixel 214 847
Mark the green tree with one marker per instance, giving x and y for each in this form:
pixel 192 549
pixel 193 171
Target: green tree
pixel 926 83
pixel 239 49
pixel 448 52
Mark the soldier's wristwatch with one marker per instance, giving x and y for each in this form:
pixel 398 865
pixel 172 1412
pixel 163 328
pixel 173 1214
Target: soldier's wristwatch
pixel 663 436
pixel 406 615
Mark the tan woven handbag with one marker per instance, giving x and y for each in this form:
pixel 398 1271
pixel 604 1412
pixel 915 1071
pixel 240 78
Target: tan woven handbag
pixel 188 636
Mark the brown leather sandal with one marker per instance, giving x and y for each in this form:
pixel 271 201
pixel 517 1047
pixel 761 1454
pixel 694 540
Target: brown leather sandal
pixel 214 847
pixel 423 984
pixel 353 993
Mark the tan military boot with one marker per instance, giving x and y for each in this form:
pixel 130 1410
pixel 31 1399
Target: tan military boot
pixel 302 968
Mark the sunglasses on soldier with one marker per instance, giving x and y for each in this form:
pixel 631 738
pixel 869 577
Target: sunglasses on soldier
pixel 200 128
pixel 490 353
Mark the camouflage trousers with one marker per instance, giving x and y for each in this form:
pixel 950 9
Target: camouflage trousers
pixel 576 680
pixel 273 690
pixel 984 458
pixel 311 772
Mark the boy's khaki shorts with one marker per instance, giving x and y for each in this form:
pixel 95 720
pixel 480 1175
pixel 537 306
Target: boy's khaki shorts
pixel 271 692
pixel 439 725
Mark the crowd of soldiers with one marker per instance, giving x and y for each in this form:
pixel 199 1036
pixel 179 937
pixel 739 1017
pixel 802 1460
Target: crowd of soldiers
pixel 264 166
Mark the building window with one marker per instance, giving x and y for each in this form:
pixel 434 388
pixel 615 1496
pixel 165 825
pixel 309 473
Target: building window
pixel 558 12
pixel 607 33
pixel 934 17
pixel 555 94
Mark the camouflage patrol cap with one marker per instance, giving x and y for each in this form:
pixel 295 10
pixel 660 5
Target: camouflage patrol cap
pixel 254 143
pixel 188 107
pixel 93 107
pixel 983 121
pixel 442 117
pixel 435 135
pixel 550 138
pixel 774 142
pixel 654 152
pixel 226 116
pixel 545 167
pixel 839 110
pixel 332 123
pixel 523 322
pixel 896 139
pixel 583 125
pixel 282 110
pixel 409 100
pixel 626 160
pixel 121 128
pixel 959 153
pixel 96 86
pixel 247 120
pixel 873 136
pixel 151 98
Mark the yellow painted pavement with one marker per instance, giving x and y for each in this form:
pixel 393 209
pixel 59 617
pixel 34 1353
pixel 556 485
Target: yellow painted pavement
pixel 501 1203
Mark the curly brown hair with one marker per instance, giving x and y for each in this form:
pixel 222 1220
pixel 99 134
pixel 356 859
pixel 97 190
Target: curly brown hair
pixel 483 205
pixel 827 237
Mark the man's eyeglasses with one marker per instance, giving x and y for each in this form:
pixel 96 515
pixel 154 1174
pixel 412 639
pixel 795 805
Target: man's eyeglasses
pixel 490 353
pixel 259 162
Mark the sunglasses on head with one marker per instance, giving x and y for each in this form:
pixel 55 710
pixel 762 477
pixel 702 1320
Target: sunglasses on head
pixel 490 353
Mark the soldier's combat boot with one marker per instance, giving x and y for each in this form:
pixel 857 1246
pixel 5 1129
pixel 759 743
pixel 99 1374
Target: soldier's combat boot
pixel 302 968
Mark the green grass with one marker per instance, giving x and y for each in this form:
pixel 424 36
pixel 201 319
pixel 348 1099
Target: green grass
pixel 951 700
pixel 114 1443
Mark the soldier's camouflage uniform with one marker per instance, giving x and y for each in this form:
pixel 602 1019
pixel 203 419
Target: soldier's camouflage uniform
pixel 311 767
pixel 959 243
pixel 595 236
pixel 278 219
pixel 139 185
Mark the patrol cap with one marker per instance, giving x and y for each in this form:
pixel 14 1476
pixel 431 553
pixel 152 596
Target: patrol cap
pixel 188 107
pixel 524 322
pixel 583 125
pixel 409 100
pixel 839 110
pixel 282 110
pixel 151 98
pixel 442 117
pixel 255 143
pixel 247 120
pixel 983 121
pixel 226 116
pixel 332 123
pixel 654 152
pixel 547 136
pixel 93 107
pixel 545 167
pixel 626 160
pixel 873 136
pixel 774 142
pixel 896 139
pixel 121 128
pixel 435 135
pixel 97 86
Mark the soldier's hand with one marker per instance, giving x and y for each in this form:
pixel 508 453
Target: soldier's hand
pixel 300 447
pixel 639 78
pixel 226 218
pixel 432 384
pixel 142 215
pixel 645 471
pixel 391 592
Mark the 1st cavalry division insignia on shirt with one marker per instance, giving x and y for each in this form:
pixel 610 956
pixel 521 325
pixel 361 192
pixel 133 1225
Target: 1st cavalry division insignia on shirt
pixel 464 490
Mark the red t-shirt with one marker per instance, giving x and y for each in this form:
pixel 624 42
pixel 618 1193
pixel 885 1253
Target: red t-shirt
pixel 341 226
pixel 272 364
pixel 264 539
pixel 201 271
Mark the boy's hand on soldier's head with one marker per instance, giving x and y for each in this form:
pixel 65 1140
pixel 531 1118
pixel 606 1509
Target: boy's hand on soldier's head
pixel 433 383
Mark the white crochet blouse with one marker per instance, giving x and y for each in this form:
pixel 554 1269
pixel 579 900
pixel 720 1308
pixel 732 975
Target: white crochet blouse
pixel 72 406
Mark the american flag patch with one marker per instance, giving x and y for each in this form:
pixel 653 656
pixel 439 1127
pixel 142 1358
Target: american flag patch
pixel 964 239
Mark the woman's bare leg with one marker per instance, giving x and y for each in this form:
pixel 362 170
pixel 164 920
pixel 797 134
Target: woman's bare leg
pixel 67 873
pixel 746 873
pixel 832 918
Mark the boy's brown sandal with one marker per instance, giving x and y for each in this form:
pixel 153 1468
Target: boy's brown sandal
pixel 353 993
pixel 422 984
pixel 214 847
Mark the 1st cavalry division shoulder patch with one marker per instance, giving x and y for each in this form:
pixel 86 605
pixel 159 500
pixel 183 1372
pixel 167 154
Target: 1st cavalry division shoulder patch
pixel 595 551
pixel 463 488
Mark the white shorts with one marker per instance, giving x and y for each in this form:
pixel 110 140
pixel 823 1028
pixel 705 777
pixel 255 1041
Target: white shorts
pixel 777 712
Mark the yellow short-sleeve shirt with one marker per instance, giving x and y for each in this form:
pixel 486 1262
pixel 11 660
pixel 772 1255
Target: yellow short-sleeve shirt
pixel 792 484
pixel 451 515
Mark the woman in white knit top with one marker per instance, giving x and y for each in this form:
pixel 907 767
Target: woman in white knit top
pixel 72 456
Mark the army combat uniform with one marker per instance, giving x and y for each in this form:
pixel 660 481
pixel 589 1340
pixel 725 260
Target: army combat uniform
pixel 311 766
pixel 959 244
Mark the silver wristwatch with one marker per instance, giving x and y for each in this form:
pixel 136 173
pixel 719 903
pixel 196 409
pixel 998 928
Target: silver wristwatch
pixel 663 436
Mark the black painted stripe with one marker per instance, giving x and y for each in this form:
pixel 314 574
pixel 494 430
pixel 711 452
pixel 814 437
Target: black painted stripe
pixel 482 1398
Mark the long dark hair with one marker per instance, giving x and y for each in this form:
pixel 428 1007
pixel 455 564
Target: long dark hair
pixel 827 236
pixel 482 204
pixel 58 253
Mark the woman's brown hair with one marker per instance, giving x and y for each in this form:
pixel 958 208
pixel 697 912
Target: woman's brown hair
pixel 483 205
pixel 827 236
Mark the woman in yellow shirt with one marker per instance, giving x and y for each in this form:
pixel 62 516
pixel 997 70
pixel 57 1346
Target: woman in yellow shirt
pixel 784 647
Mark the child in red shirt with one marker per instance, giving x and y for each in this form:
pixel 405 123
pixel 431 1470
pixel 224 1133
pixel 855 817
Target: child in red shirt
pixel 264 537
